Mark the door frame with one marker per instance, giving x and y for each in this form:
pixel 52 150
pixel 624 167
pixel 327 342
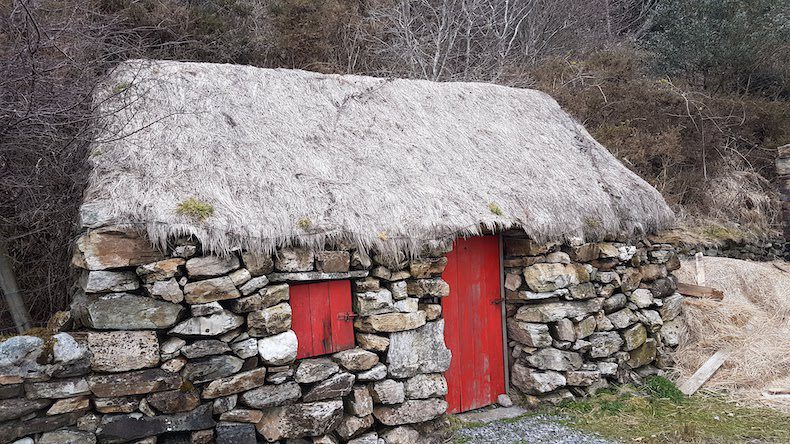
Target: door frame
pixel 503 305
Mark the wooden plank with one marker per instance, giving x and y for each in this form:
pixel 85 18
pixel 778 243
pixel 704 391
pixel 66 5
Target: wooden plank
pixel 450 308
pixel 699 269
pixel 698 291
pixel 704 373
pixel 340 302
pixel 300 319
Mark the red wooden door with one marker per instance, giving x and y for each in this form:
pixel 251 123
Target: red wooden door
pixel 318 319
pixel 473 324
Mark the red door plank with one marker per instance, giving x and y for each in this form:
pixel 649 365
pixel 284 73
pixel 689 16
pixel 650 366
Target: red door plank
pixel 301 319
pixel 473 324
pixel 340 303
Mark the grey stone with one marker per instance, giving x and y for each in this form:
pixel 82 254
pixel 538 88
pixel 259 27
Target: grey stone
pixel 545 277
pixel 269 321
pixel 604 344
pixel 208 309
pixel 427 267
pixel 210 290
pixel 672 307
pixel 398 289
pixel 585 327
pixel 168 290
pixel 373 302
pixel 160 271
pixel 634 337
pixel 19 407
pixel 582 378
pixel 410 412
pixel 536 382
pixel 122 311
pixel 294 259
pixel 209 266
pixel 378 372
pixel 113 247
pixel 213 325
pixel 433 287
pixel 299 420
pixel 224 404
pixel 533 335
pixel 615 302
pixel 351 426
pixel 172 345
pixel 254 285
pixel 124 428
pixel 423 386
pixel 138 382
pixel 643 355
pixel 554 311
pixel 206 347
pixel 367 438
pixel 335 386
pixel 102 281
pixel 246 348
pixel 390 322
pixel 672 331
pixel 257 264
pixel 356 359
pixel 264 298
pixel 332 261
pixel 373 342
pixel 235 384
pixel 240 276
pixel 400 435
pixel 641 297
pixel 210 368
pixel 314 370
pixel 651 319
pixel 271 395
pixel 582 291
pixel 57 389
pixel 359 402
pixel 121 351
pixel 67 437
pixel 17 348
pixel 623 318
pixel 562 330
pixel 174 401
pixel 235 433
pixel 315 276
pixel 553 359
pixel 387 391
pixel 418 351
pixel 279 349
pixel 67 349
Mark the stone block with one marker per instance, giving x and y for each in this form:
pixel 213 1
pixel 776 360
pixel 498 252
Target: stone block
pixel 121 351
pixel 294 259
pixel 634 337
pixel 533 335
pixel 555 311
pixel 209 266
pixel 238 383
pixel 214 325
pixel 123 311
pixel 57 389
pixel 359 402
pixel 103 281
pixel 356 359
pixel 425 386
pixel 299 420
pixel 161 270
pixel 432 287
pixel 234 433
pixel 336 386
pixel 253 285
pixel 672 307
pixel 410 412
pixel 112 247
pixel 390 322
pixel 554 359
pixel 138 382
pixel 387 391
pixel 546 277
pixel 373 302
pixel 269 321
pixel 124 428
pixel 257 264
pixel 265 297
pixel 372 342
pixel 427 267
pixel 313 370
pixel 168 291
pixel 604 344
pixel 332 261
pixel 418 351
pixel 536 382
pixel 268 396
pixel 174 401
pixel 585 327
pixel 642 297
pixel 279 349
pixel 210 368
pixel 210 290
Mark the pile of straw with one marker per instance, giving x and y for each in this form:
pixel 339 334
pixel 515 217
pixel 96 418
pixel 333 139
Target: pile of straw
pixel 753 321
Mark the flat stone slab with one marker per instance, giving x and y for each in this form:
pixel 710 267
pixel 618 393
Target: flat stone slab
pixel 316 276
pixel 492 414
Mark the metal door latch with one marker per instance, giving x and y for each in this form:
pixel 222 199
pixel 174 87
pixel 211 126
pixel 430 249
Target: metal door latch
pixel 346 316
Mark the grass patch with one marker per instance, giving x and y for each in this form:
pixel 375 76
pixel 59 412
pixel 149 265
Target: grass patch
pixel 658 413
pixel 494 208
pixel 195 209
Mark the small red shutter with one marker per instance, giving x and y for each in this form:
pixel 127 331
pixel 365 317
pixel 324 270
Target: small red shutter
pixel 318 317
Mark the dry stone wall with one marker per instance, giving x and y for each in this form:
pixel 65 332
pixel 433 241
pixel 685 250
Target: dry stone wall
pixel 184 347
pixel 581 316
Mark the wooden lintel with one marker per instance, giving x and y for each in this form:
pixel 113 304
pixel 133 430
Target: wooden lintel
pixel 699 291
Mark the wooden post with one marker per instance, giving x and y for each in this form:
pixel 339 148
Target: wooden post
pixel 11 293
pixel 783 176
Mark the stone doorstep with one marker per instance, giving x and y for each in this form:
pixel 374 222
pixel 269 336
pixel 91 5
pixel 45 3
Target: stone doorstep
pixel 491 413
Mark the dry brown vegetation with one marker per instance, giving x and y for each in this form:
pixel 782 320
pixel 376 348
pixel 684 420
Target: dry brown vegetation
pixel 700 122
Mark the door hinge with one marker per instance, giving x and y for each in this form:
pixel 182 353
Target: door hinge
pixel 346 316
pixel 498 301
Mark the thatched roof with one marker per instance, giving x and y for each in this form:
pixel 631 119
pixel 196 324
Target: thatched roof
pixel 288 156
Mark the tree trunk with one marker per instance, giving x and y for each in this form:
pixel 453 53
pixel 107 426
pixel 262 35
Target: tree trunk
pixel 11 293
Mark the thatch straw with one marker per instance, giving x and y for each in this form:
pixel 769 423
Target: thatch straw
pixel 287 156
pixel 753 321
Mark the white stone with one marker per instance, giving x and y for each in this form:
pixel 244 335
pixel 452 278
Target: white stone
pixel 418 351
pixel 66 348
pixel 279 349
pixel 642 297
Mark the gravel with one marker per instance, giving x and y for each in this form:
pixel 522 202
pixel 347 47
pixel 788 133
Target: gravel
pixel 539 429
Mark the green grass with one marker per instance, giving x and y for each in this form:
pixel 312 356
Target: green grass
pixel 658 413
pixel 195 209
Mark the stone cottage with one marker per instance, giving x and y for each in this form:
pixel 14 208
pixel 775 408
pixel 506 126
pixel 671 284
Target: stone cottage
pixel 286 256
